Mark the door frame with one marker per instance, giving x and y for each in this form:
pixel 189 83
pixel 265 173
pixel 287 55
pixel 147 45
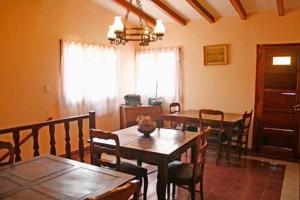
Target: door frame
pixel 257 104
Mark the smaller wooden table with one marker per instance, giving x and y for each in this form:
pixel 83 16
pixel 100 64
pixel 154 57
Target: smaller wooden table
pixel 163 146
pixel 231 120
pixel 51 177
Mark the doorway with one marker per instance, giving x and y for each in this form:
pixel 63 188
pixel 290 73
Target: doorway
pixel 277 103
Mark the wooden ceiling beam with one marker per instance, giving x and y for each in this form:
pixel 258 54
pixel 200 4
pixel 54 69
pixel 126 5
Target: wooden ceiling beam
pixel 201 10
pixel 280 7
pixel 239 8
pixel 169 11
pixel 136 11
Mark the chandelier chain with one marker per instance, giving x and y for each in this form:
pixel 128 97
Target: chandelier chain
pixel 127 13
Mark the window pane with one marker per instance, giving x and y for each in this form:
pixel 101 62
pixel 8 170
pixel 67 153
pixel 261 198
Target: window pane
pixel 282 60
pixel 89 76
pixel 158 74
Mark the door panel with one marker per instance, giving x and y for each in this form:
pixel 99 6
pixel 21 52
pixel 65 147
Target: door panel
pixel 275 119
pixel 277 100
pixel 282 100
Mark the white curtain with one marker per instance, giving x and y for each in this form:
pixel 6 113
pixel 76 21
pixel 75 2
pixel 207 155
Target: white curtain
pixel 89 78
pixel 158 74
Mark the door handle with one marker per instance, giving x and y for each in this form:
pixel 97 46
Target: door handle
pixel 296 107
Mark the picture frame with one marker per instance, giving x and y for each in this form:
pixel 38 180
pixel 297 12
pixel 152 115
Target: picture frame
pixel 216 54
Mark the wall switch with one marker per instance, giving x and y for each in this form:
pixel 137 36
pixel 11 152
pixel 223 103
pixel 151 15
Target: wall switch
pixel 47 89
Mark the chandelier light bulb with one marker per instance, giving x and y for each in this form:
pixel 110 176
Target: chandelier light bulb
pixel 159 28
pixel 146 32
pixel 111 33
pixel 118 26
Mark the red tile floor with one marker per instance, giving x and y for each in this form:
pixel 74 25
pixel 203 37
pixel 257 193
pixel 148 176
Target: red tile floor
pixel 240 180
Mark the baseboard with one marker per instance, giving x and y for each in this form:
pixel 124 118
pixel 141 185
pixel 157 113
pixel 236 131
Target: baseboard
pixel 294 160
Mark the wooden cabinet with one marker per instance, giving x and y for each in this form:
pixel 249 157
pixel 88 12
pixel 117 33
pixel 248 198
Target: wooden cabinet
pixel 129 114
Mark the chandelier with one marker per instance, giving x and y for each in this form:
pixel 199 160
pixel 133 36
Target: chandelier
pixel 119 33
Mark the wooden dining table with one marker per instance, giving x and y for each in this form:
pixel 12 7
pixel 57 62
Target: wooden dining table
pixel 231 120
pixel 51 177
pixel 163 146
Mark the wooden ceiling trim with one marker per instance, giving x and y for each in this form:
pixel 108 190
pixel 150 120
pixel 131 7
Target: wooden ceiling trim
pixel 239 8
pixel 173 14
pixel 280 7
pixel 136 11
pixel 201 10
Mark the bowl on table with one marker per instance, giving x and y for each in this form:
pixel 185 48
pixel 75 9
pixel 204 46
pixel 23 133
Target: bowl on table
pixel 146 125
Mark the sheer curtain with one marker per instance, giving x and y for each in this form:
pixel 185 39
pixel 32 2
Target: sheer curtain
pixel 89 78
pixel 158 74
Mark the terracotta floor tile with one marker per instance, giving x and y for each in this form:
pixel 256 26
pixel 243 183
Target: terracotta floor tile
pixel 241 180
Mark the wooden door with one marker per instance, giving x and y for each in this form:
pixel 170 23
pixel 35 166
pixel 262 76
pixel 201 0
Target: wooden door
pixel 277 101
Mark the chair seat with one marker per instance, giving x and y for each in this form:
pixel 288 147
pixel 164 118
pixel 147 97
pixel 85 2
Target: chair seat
pixel 181 173
pixel 213 137
pixel 192 128
pixel 132 169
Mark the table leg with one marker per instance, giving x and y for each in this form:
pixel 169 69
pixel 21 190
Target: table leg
pixel 162 179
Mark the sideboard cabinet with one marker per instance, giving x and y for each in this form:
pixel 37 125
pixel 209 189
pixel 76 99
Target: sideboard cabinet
pixel 129 114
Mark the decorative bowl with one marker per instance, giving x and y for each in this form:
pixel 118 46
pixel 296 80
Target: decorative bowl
pixel 146 125
pixel 145 131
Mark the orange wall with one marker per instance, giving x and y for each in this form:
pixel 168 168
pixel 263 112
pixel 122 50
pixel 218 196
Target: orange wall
pixel 230 88
pixel 30 31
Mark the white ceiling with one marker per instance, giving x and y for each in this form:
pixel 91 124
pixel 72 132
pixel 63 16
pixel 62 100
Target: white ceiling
pixel 217 8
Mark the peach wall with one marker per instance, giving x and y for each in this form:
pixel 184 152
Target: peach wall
pixel 30 31
pixel 230 88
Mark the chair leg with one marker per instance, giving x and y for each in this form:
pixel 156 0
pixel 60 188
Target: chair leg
pixel 186 156
pixel 139 163
pixel 240 150
pixel 246 147
pixel 173 190
pixel 192 191
pixel 218 150
pixel 168 190
pixel 201 188
pixel 145 187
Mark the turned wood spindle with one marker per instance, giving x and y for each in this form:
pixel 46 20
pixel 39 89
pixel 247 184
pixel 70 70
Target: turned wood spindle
pixel 67 139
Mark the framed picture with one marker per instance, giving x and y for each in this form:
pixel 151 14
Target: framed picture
pixel 216 54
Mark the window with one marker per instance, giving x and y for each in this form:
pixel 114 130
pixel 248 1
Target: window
pixel 89 77
pixel 282 60
pixel 158 74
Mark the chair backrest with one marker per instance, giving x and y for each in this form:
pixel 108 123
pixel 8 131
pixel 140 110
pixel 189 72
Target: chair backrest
pixel 121 193
pixel 172 122
pixel 174 107
pixel 104 143
pixel 211 118
pixel 191 125
pixel 8 146
pixel 200 157
pixel 246 123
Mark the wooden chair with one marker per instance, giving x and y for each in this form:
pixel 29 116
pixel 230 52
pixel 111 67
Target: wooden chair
pixel 10 148
pixel 191 125
pixel 240 136
pixel 175 108
pixel 121 193
pixel 105 147
pixel 189 174
pixel 218 134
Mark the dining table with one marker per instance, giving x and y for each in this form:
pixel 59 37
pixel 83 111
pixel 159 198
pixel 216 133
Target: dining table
pixel 231 121
pixel 161 147
pixel 50 177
